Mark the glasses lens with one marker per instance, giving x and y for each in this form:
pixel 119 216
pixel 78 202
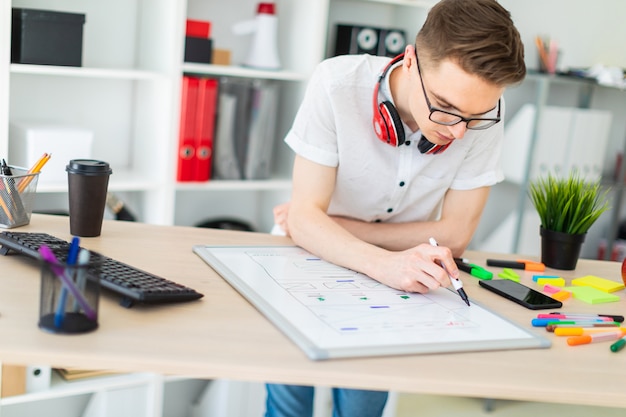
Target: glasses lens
pixel 444 118
pixel 478 124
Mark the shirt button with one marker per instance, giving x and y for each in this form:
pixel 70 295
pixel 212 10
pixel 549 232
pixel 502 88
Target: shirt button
pixel 407 143
pixel 401 184
pixel 389 210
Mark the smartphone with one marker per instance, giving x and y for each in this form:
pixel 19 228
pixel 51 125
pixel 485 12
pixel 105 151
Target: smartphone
pixel 520 294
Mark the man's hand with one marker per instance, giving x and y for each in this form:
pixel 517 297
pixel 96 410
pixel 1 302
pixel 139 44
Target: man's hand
pixel 281 213
pixel 415 270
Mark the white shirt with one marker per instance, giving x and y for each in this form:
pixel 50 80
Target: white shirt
pixel 376 181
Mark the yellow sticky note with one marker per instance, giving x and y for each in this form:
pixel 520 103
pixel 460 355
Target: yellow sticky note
pixel 591 295
pixel 557 282
pixel 598 283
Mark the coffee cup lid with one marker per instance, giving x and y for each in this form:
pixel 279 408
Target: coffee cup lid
pixel 88 167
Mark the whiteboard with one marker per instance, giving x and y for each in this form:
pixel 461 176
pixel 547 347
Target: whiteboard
pixel 333 312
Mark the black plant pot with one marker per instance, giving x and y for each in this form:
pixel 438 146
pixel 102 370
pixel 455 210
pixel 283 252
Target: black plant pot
pixel 560 250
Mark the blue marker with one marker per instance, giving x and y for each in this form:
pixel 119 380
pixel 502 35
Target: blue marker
pixel 72 257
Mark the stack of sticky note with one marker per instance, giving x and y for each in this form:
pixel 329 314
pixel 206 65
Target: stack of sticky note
pixel 552 285
pixel 594 290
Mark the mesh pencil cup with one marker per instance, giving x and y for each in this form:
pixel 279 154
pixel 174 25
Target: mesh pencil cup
pixel 17 197
pixel 69 297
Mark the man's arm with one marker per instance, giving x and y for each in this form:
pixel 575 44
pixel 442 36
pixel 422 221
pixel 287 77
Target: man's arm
pixel 413 269
pixel 460 215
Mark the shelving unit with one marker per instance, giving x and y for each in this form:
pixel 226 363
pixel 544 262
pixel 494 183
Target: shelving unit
pixel 518 232
pixel 128 93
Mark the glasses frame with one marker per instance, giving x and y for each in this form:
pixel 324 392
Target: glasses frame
pixel 467 120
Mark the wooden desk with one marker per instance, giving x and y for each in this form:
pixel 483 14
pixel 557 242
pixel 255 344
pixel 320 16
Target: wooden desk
pixel 223 336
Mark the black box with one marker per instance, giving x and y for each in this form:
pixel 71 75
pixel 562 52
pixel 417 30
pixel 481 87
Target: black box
pixel 198 50
pixel 47 37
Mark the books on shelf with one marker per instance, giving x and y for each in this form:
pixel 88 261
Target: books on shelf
pixel 227 128
pixel 71 374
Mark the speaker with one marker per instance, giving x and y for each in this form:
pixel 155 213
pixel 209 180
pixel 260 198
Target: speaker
pixel 355 39
pixel 391 42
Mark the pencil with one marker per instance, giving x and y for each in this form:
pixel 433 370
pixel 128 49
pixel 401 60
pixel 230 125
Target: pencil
pixel 7 212
pixel 34 170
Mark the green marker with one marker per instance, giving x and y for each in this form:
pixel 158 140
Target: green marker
pixel 474 270
pixel 619 345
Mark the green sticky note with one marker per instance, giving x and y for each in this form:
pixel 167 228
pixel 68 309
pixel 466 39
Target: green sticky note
pixel 591 295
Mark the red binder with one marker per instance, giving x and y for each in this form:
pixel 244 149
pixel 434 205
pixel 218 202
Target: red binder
pixel 187 140
pixel 205 127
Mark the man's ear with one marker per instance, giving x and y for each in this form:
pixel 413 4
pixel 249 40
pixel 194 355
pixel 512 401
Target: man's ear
pixel 410 58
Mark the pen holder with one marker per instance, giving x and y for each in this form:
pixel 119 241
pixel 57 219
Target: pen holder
pixel 17 196
pixel 69 297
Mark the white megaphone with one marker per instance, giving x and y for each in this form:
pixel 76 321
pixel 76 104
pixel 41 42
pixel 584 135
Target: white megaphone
pixel 264 51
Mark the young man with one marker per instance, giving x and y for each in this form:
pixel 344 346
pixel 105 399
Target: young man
pixel 391 153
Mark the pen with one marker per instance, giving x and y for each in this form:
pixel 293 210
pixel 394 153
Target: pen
pixel 551 327
pixel 518 264
pixel 6 170
pixel 619 345
pixel 72 256
pixel 456 283
pixel 48 256
pixel 591 338
pixel 15 205
pixel 558 315
pixel 83 259
pixel 474 270
pixel 540 322
pixel 580 331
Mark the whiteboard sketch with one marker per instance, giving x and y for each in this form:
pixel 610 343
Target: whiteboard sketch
pixel 332 312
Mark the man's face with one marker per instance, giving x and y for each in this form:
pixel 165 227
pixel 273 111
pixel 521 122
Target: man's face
pixel 457 94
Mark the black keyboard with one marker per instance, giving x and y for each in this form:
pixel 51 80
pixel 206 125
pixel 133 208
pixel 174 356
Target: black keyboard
pixel 134 285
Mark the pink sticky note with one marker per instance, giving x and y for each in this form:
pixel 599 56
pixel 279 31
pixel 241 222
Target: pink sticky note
pixel 551 289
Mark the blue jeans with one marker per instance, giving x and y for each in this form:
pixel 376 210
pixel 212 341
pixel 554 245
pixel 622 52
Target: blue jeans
pixel 297 401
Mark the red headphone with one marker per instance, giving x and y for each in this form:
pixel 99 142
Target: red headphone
pixel 387 122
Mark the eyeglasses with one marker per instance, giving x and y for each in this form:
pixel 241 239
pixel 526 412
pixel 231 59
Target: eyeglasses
pixel 447 118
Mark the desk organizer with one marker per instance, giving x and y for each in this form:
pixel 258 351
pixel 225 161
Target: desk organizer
pixel 17 196
pixel 46 37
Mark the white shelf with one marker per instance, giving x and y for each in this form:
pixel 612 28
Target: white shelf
pixel 413 3
pixel 60 387
pixel 235 71
pixel 226 185
pixel 85 72
pixel 119 181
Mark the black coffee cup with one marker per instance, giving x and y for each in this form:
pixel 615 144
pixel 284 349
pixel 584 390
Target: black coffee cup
pixel 88 181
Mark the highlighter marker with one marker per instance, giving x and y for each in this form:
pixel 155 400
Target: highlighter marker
pixel 581 331
pixel 517 264
pixel 592 338
pixel 473 270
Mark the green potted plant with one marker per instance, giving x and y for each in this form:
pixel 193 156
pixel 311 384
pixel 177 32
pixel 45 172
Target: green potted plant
pixel 567 207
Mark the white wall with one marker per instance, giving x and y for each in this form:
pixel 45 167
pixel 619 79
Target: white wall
pixel 589 33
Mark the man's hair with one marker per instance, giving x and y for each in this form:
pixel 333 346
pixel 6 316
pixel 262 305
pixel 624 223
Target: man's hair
pixel 478 35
